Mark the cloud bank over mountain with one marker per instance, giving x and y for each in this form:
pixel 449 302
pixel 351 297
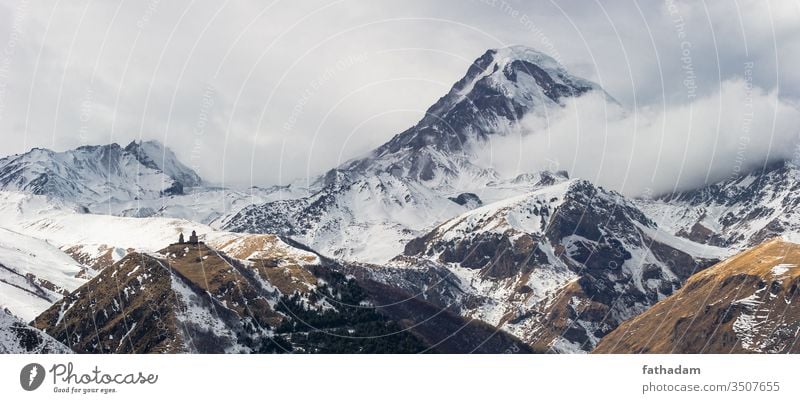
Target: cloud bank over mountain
pixel 655 150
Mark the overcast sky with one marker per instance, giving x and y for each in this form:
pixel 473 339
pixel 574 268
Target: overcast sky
pixel 266 92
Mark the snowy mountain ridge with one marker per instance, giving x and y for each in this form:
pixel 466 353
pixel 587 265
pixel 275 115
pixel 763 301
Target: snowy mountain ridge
pixel 90 175
pixel 738 213
pixel 522 262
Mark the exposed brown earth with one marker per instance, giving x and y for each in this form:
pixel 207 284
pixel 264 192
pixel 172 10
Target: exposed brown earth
pixel 225 279
pixel 187 298
pixel 191 298
pixel 747 303
pixel 101 317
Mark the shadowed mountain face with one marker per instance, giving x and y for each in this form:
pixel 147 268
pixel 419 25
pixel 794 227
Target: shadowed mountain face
pixel 749 303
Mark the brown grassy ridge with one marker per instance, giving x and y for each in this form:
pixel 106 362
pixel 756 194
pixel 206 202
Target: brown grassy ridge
pixel 223 278
pixel 700 317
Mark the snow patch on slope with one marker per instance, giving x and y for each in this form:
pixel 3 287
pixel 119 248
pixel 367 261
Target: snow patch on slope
pixel 782 269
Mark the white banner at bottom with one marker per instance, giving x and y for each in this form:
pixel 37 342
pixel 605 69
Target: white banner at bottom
pixel 386 378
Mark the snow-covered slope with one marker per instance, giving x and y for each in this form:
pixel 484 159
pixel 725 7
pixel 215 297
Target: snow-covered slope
pixel 207 205
pixel 34 274
pixel 371 219
pixel 144 234
pixel 366 220
pixel 95 240
pixel 18 206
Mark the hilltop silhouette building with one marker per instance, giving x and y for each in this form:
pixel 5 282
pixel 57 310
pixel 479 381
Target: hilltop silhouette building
pixel 193 239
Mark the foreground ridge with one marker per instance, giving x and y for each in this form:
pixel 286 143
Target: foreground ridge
pixel 745 304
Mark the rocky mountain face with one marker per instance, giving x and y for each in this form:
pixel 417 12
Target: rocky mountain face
pixel 371 220
pixel 423 175
pixel 498 89
pixel 143 179
pixel 154 155
pixel 745 304
pixel 558 267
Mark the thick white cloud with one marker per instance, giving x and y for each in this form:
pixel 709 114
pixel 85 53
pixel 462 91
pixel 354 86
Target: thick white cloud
pixel 656 150
pixel 266 92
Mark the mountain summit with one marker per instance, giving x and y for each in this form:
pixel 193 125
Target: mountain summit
pixel 498 89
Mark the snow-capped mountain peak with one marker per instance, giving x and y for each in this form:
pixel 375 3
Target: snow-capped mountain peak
pixel 153 154
pixel 519 73
pixel 499 88
pixel 95 174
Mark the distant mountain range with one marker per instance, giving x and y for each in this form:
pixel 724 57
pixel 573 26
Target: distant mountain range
pixel 416 247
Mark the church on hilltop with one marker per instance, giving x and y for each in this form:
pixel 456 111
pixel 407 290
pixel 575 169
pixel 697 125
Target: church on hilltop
pixel 193 239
